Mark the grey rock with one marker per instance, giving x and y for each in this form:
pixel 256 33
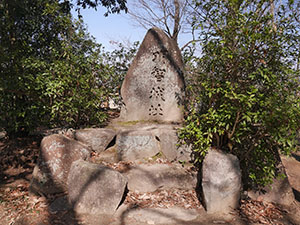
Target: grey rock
pixel 109 155
pixel 184 153
pixel 174 215
pixel 151 177
pixel 221 182
pixel 168 141
pixel 97 138
pixel 279 192
pixel 57 153
pixel 94 188
pixel 136 145
pixel 163 137
pixel 153 88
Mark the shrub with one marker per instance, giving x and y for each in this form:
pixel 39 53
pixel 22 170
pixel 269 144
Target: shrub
pixel 244 90
pixel 51 69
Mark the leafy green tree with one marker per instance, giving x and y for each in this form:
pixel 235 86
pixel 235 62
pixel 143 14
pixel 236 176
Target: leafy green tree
pixel 50 68
pixel 245 86
pixel 116 64
pixel 113 6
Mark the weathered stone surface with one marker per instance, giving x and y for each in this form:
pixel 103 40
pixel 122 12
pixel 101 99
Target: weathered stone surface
pixel 57 153
pixel 168 141
pixel 164 137
pixel 109 155
pixel 279 192
pixel 153 88
pixel 97 138
pixel 136 145
pixel 184 153
pixel 292 168
pixel 221 182
pixel 94 188
pixel 149 178
pixel 174 215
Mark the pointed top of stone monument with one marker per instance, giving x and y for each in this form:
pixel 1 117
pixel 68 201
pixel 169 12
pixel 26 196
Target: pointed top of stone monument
pixel 153 88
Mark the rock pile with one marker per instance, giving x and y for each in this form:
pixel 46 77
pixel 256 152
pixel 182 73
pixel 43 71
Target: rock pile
pixel 153 93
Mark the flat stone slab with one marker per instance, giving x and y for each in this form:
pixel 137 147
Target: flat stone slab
pixel 143 140
pixel 136 145
pixel 165 216
pixel 151 177
pixel 128 215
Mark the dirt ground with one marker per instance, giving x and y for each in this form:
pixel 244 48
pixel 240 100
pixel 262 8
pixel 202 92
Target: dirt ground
pixel 18 206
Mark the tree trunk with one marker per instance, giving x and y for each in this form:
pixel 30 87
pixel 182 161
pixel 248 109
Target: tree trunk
pixel 176 21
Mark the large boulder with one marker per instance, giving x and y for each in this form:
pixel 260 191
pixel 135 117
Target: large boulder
pixel 94 188
pixel 97 138
pixel 136 145
pixel 221 182
pixel 151 177
pixel 57 153
pixel 153 89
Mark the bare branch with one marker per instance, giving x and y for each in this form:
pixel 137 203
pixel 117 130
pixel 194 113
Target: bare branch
pixel 188 43
pixel 170 15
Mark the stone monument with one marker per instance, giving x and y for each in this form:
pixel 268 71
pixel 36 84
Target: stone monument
pixel 153 89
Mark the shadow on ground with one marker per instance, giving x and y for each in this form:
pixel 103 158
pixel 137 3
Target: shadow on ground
pixel 18 157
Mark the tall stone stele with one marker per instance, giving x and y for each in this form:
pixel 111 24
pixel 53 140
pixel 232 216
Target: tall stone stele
pixel 153 89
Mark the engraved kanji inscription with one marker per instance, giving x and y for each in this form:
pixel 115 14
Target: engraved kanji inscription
pixel 159 56
pixel 154 84
pixel 157 93
pixel 159 74
pixel 155 109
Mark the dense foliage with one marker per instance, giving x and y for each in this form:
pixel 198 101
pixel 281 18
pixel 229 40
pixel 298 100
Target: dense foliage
pixel 245 85
pixel 117 63
pixel 51 70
